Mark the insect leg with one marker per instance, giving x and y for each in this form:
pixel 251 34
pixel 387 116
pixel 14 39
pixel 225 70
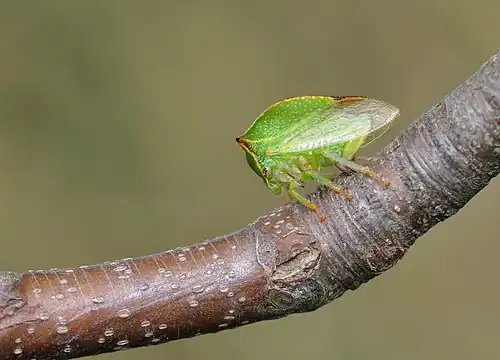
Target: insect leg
pixel 324 181
pixel 329 174
pixel 362 158
pixel 295 195
pixel 358 168
pixel 344 169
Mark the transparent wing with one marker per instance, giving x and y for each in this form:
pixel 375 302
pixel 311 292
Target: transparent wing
pixel 343 122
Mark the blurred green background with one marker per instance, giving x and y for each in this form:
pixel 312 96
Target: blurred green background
pixel 117 127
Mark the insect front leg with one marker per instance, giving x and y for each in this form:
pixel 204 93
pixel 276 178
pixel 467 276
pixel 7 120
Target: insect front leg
pixel 295 195
pixel 291 174
pixel 325 182
pixel 339 160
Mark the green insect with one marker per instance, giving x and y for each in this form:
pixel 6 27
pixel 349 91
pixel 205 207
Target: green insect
pixel 293 140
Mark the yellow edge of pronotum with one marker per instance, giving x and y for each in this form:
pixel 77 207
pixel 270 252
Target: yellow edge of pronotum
pixel 242 142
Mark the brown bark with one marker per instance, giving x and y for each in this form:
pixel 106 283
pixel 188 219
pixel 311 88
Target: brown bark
pixel 283 263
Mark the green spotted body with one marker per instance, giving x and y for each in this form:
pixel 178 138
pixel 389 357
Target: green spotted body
pixel 295 139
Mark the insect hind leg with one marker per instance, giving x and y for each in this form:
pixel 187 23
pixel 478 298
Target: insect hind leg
pixel 340 161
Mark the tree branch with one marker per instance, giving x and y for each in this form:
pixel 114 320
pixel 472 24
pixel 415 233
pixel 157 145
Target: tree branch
pixel 283 263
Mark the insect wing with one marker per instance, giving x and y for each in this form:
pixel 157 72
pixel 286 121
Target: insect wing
pixel 379 126
pixel 346 120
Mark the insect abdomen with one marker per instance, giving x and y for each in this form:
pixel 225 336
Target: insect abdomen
pixel 352 147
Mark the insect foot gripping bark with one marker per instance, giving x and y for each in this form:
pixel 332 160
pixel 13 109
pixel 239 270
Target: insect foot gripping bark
pixel 294 140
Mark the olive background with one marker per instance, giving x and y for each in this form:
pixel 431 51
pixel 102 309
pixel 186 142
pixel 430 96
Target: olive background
pixel 117 128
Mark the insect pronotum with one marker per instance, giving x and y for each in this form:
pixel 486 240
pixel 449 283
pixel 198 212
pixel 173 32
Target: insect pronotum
pixel 295 139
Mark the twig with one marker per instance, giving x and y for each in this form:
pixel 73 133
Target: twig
pixel 285 262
